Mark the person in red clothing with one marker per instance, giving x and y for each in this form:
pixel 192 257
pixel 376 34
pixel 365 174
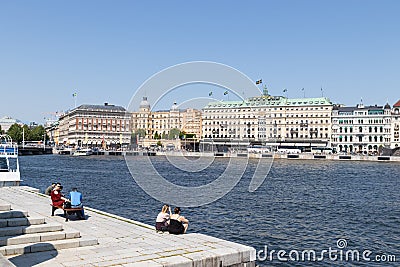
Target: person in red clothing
pixel 57 198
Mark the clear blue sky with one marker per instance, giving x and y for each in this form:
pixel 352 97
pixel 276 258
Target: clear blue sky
pixel 104 50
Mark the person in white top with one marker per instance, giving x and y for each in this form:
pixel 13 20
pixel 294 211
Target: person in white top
pixel 162 220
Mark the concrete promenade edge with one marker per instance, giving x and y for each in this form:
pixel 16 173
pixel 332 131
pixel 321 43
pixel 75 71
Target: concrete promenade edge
pixel 122 242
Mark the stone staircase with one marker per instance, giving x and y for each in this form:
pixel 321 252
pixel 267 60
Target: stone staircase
pixel 21 234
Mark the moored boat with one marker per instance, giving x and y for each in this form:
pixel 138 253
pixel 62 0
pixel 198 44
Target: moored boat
pixel 82 152
pixel 9 164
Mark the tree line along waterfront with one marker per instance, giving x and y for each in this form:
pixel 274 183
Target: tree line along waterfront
pixel 20 133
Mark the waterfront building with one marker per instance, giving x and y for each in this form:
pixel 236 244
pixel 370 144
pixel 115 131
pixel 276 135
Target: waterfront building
pixel 158 125
pixel 6 122
pixel 395 126
pixel 266 119
pixel 361 129
pixel 53 132
pixel 95 126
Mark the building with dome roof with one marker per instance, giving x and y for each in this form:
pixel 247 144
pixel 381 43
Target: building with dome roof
pixel 151 126
pixel 144 105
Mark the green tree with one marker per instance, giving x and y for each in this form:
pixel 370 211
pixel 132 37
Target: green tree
pixel 27 134
pixel 156 136
pixel 37 133
pixel 15 132
pixel 173 133
pixel 18 133
pixel 1 130
pixel 141 132
pixel 138 133
pixel 159 143
pixel 133 138
pixel 190 135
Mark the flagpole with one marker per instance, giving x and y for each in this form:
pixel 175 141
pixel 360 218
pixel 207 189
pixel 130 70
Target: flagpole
pixel 259 83
pixel 226 93
pixel 74 96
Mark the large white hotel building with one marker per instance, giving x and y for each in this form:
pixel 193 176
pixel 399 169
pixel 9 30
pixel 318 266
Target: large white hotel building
pixel 303 122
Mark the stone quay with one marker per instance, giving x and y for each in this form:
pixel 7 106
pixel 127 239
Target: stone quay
pixel 30 236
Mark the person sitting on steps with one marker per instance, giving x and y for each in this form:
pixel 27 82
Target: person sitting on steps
pixel 49 189
pixel 57 198
pixel 162 220
pixel 76 202
pixel 177 223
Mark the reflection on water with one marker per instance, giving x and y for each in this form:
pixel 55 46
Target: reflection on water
pixel 301 205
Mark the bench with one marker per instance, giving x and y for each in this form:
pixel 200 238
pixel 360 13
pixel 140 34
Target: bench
pixel 66 211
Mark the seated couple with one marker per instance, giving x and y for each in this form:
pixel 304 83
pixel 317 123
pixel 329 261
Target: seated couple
pixel 172 223
pixel 74 199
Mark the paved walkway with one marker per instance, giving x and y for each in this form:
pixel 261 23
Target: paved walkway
pixel 124 242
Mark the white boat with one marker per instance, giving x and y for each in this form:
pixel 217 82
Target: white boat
pixel 9 164
pixel 82 152
pixel 65 151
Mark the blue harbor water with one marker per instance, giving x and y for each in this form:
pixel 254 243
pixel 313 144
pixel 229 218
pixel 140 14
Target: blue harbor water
pixel 302 205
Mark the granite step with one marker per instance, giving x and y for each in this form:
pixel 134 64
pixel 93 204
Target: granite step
pixel 38 237
pixel 40 228
pixel 23 221
pixel 13 214
pixel 47 246
pixel 5 206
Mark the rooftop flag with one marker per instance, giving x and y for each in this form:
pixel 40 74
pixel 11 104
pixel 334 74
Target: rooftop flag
pixel 284 90
pixel 259 81
pixel 210 93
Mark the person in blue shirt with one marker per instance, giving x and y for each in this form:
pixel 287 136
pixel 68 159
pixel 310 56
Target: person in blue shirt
pixel 76 201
